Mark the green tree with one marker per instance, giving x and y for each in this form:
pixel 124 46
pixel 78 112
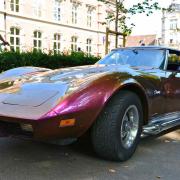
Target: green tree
pixel 120 13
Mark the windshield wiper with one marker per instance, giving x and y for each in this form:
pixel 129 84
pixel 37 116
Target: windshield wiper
pixel 135 51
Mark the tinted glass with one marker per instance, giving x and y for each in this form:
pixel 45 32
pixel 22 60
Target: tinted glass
pixel 135 57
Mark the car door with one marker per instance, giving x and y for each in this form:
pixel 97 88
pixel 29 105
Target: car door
pixel 171 82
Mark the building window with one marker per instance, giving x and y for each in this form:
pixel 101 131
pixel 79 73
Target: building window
pixel 74 13
pixel 89 17
pixel 37 8
pixel 15 39
pixel 173 24
pixel 57 10
pixel 57 43
pixel 89 46
pixel 74 43
pixel 37 41
pixel 14 5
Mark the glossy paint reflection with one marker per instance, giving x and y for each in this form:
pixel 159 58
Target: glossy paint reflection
pixel 44 97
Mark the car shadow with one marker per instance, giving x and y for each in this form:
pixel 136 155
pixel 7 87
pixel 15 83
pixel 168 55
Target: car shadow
pixel 76 161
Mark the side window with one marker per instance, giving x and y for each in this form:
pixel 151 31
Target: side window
pixel 173 61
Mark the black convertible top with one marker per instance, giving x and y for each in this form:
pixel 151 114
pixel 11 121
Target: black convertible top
pixel 148 47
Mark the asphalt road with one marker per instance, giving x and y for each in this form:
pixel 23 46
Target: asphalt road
pixel 155 159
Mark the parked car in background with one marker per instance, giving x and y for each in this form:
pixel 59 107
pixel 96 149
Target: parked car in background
pixel 131 92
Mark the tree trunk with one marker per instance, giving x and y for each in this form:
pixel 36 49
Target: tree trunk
pixel 116 24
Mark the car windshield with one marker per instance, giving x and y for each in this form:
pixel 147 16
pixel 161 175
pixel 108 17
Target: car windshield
pixel 135 57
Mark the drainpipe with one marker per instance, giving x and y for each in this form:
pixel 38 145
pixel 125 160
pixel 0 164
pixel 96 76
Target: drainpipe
pixel 163 32
pixel 5 20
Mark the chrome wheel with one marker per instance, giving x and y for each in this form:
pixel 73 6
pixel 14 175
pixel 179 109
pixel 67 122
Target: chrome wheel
pixel 129 126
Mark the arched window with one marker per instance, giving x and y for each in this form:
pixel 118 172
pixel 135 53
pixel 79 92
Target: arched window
pixel 89 46
pixel 37 40
pixel 15 39
pixel 57 10
pixel 14 5
pixel 57 43
pixel 74 43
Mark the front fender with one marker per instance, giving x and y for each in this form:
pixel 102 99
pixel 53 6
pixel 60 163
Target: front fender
pixel 85 105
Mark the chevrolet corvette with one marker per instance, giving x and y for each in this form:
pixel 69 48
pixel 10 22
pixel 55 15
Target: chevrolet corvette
pixel 130 93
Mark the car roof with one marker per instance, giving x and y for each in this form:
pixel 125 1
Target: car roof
pixel 149 47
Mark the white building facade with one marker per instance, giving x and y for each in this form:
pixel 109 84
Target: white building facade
pixel 55 25
pixel 171 26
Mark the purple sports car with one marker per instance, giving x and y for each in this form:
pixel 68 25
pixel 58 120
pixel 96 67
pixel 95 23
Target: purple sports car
pixel 129 93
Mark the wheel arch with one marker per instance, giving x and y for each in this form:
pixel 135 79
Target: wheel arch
pixel 140 92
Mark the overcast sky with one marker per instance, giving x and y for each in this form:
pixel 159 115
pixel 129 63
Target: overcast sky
pixel 145 24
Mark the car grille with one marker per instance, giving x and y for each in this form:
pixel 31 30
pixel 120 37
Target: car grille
pixel 14 129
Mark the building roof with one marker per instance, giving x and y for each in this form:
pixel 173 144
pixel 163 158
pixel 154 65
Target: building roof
pixel 141 39
pixel 175 5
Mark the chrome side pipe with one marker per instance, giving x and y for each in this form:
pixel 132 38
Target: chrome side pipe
pixel 159 125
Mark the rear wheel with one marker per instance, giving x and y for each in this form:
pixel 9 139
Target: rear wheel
pixel 116 133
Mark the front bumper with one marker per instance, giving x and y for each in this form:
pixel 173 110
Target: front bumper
pixel 44 129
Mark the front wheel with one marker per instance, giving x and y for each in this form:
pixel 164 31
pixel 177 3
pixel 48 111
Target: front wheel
pixel 116 133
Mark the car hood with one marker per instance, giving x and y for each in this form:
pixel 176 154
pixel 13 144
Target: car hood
pixel 86 73
pixel 37 88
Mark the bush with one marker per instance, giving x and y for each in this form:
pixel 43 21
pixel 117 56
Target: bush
pixel 9 60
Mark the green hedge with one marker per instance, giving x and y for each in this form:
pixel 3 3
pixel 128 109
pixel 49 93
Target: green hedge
pixel 9 60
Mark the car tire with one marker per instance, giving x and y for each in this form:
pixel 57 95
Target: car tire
pixel 109 133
